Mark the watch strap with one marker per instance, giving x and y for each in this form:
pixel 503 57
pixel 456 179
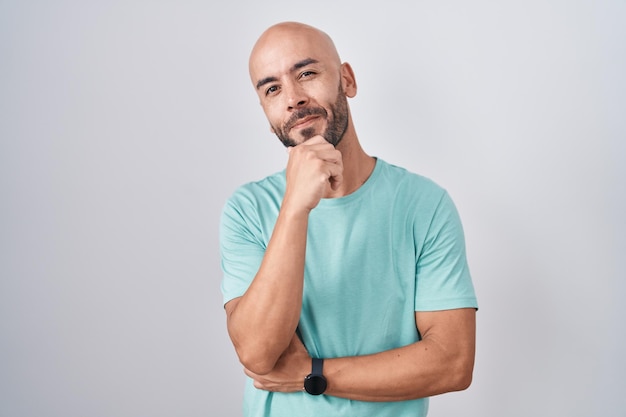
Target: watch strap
pixel 317 366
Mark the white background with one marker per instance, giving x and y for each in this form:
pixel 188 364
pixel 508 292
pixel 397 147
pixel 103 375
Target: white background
pixel 125 125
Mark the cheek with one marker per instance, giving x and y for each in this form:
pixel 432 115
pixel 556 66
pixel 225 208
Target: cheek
pixel 272 115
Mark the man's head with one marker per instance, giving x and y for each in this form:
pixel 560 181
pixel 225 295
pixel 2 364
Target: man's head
pixel 301 83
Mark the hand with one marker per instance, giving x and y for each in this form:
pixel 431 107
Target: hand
pixel 313 166
pixel 290 370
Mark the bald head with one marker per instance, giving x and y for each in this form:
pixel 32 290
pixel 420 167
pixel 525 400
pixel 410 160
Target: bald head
pixel 290 42
pixel 301 83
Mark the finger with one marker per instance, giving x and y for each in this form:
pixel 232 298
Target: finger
pixel 335 181
pixel 314 140
pixel 329 154
pixel 335 171
pixel 250 373
pixel 314 145
pixel 256 380
pixel 325 152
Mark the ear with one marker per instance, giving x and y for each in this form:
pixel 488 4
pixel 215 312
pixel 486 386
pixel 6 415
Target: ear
pixel 348 82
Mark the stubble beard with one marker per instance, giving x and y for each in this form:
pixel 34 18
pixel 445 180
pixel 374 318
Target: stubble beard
pixel 337 122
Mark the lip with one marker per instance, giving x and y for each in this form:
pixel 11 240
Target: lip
pixel 304 122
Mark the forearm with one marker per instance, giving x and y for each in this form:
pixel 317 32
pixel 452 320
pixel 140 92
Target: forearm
pixel 419 370
pixel 442 361
pixel 264 319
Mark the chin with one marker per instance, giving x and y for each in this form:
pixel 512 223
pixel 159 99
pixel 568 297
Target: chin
pixel 308 133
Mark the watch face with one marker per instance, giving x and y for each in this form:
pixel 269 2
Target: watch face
pixel 315 384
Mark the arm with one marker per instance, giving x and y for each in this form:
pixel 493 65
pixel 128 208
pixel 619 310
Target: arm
pixel 442 361
pixel 262 322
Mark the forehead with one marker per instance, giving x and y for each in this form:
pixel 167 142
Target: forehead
pixel 277 51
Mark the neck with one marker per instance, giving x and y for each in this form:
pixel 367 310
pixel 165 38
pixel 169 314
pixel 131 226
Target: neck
pixel 357 166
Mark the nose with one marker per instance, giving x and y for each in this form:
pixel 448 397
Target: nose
pixel 296 97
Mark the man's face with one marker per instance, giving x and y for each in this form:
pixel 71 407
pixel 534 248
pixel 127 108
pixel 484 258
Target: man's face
pixel 298 129
pixel 299 83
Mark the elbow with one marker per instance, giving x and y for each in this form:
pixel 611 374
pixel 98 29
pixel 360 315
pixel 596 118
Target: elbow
pixel 463 381
pixel 255 361
pixel 258 367
pixel 462 376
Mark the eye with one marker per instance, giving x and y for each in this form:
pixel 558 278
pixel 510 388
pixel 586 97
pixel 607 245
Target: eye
pixel 271 90
pixel 306 74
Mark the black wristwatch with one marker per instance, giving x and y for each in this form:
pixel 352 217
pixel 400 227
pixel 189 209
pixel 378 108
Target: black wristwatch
pixel 315 383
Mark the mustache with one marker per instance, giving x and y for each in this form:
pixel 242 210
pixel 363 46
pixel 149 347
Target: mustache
pixel 302 113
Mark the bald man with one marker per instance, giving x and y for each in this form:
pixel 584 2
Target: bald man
pixel 346 286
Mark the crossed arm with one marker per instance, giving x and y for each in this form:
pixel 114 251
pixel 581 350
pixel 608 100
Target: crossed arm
pixel 262 323
pixel 441 362
pixel 262 326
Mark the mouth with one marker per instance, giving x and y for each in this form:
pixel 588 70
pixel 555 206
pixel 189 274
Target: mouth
pixel 305 117
pixel 304 122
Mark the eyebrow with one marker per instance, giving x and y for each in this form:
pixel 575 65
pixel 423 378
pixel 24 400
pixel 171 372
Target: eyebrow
pixel 295 67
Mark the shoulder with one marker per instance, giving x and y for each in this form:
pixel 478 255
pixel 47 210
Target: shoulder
pixel 254 201
pixel 410 184
pixel 256 192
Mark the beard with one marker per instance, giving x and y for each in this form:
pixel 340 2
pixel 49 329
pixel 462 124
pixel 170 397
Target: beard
pixel 337 122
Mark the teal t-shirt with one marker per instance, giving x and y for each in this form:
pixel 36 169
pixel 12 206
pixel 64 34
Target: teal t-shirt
pixel 373 258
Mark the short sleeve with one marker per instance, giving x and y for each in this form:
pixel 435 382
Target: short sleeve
pixel 241 248
pixel 443 278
